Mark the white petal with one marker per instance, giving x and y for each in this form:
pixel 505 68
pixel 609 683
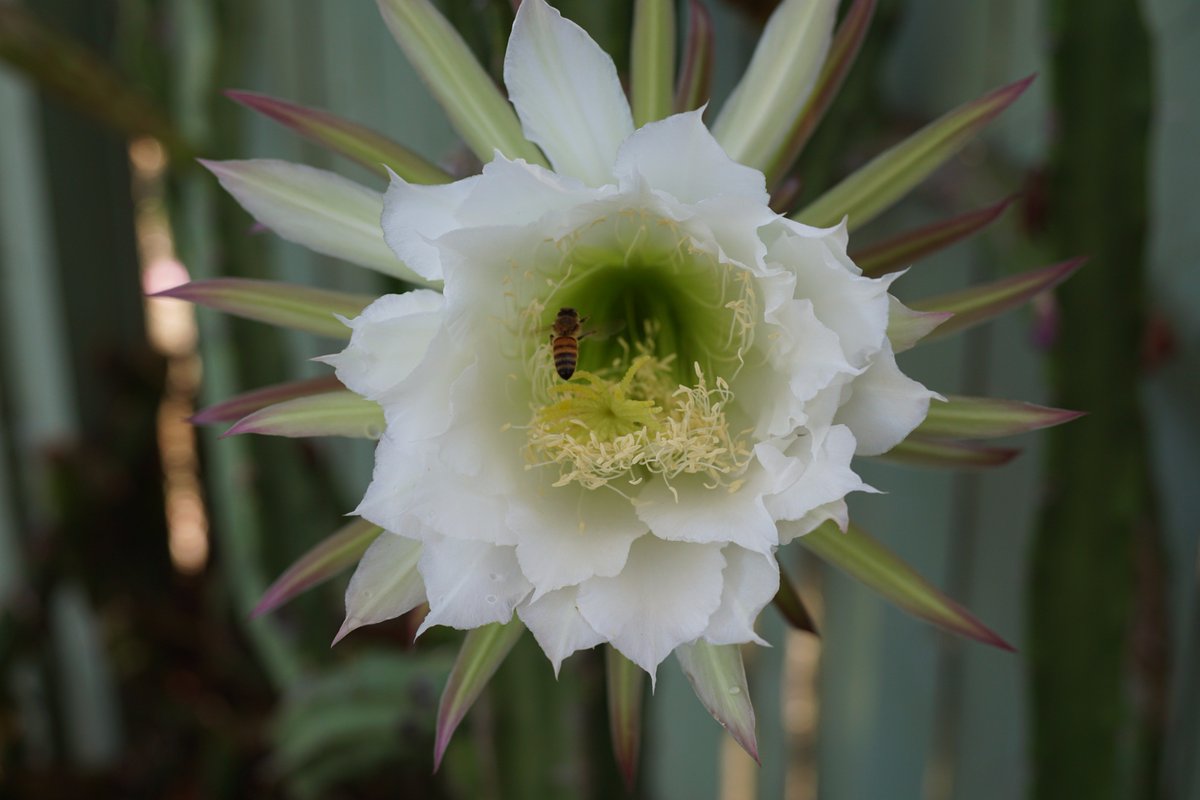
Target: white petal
pixel 556 623
pixel 836 238
pixel 470 583
pixel 836 511
pixel 389 339
pixel 399 468
pixel 477 444
pixel 735 226
pixel 851 305
pixel 804 358
pixel 824 475
pixel 385 584
pixel 884 406
pixel 413 215
pixel 809 353
pixel 679 156
pixel 568 534
pixel 452 505
pixel 700 514
pixel 419 407
pixel 821 410
pixel 566 92
pixel 411 484
pixel 314 208
pixel 756 119
pixel 486 271
pixel 751 580
pixel 664 597
pixel 517 193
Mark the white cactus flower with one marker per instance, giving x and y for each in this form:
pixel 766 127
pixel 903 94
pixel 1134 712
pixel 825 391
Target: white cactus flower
pixel 730 364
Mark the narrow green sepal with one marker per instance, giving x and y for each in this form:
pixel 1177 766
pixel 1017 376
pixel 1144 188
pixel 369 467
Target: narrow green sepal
pixel 333 554
pixel 866 560
pixel 842 51
pixel 476 108
pixel 315 208
pixel 792 607
pixel 989 417
pixel 901 251
pixel 718 677
pixel 240 405
pixel 357 142
pixel 934 453
pixel 695 76
pixel 626 684
pixel 483 651
pixel 386 584
pixel 980 304
pixel 754 124
pixel 338 413
pixel 652 61
pixel 287 305
pixel 889 176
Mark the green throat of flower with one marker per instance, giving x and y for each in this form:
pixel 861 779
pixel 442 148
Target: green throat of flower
pixel 654 400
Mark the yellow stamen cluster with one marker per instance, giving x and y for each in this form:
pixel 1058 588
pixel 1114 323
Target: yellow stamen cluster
pixel 598 431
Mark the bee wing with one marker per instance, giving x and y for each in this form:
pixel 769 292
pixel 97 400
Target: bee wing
pixel 604 330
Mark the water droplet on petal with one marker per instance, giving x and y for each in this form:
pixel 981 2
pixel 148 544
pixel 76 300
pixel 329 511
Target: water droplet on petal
pixel 735 690
pixel 491 599
pixel 496 576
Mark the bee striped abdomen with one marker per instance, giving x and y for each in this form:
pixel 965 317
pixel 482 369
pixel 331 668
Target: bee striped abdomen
pixel 566 355
pixel 564 341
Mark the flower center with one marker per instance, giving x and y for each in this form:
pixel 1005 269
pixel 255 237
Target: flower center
pixel 662 327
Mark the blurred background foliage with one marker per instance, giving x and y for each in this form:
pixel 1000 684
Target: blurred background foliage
pixel 133 548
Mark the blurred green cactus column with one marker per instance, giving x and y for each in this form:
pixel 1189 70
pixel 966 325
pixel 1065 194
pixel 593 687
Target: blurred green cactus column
pixel 1095 612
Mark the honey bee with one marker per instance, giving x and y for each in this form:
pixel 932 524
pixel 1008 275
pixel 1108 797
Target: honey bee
pixel 565 334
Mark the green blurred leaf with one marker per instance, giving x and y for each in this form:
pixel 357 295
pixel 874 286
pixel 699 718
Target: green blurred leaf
pixel 1098 608
pixel 83 79
pixel 361 714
